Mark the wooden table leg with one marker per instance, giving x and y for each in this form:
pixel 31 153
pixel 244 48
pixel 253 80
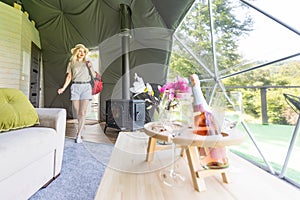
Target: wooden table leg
pixel 198 173
pixel 182 151
pixel 151 149
pixel 225 177
pixel 194 165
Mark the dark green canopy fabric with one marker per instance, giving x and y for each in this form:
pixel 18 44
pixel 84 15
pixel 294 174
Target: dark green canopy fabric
pixel 96 23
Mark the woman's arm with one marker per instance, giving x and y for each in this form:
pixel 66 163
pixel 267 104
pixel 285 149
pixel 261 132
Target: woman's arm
pixel 67 82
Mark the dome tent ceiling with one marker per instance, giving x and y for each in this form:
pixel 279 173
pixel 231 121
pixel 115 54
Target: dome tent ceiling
pixel 64 23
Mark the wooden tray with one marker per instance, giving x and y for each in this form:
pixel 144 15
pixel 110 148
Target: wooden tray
pixel 187 137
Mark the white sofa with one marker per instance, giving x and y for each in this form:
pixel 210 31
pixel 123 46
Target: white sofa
pixel 31 157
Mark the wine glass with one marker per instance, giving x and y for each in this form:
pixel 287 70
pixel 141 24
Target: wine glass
pixel 175 121
pixel 233 110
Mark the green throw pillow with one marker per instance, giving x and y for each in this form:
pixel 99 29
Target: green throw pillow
pixel 16 111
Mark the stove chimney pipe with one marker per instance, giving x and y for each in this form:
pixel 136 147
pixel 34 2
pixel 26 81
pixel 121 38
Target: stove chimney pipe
pixel 125 14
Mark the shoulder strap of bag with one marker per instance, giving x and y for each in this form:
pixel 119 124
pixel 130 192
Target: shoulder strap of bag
pixel 90 72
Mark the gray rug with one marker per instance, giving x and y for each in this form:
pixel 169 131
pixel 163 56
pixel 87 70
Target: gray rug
pixel 82 169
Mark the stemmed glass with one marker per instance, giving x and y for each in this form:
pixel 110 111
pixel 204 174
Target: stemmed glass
pixel 175 121
pixel 233 110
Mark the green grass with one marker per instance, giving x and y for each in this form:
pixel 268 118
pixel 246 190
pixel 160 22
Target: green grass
pixel 273 140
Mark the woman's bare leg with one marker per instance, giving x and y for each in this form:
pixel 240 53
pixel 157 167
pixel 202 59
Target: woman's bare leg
pixel 75 113
pixel 80 108
pixel 81 115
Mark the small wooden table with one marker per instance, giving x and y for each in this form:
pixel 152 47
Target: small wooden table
pixel 190 143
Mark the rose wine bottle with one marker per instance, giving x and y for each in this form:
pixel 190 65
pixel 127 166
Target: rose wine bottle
pixel 205 124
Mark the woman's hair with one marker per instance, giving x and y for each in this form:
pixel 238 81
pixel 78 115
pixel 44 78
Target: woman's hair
pixel 75 50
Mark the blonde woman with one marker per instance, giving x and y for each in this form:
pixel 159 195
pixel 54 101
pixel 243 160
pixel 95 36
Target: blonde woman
pixel 81 90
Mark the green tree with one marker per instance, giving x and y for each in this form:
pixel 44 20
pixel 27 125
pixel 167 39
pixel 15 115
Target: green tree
pixel 195 31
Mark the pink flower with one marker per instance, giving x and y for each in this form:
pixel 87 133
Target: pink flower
pixel 179 85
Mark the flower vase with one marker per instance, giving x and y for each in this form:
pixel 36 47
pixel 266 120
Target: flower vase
pixel 177 109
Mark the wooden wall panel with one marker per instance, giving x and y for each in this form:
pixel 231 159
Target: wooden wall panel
pixel 17 32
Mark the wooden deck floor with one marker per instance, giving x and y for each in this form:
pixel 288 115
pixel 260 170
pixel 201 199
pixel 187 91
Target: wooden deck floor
pixel 93 132
pixel 247 180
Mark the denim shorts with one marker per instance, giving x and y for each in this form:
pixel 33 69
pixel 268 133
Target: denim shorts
pixel 81 91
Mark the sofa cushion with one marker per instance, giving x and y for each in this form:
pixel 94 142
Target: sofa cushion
pixel 16 110
pixel 19 148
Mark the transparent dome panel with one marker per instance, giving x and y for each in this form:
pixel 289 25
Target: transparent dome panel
pixel 185 62
pixel 270 38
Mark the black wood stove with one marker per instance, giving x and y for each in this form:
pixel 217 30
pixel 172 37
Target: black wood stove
pixel 125 114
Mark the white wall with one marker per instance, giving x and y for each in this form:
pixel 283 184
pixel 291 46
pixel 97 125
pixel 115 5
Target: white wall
pixel 16 34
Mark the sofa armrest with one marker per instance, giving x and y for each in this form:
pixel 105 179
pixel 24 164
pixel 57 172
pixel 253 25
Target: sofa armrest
pixel 55 118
